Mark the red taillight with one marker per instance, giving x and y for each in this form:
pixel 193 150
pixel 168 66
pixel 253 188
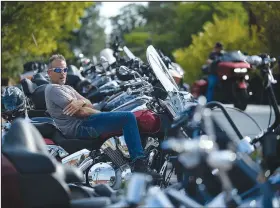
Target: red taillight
pixel 49 141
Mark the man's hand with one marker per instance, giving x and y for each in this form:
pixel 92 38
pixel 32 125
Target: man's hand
pixel 73 107
pixel 85 112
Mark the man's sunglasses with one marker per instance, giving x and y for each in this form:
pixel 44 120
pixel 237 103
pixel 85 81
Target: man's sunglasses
pixel 59 70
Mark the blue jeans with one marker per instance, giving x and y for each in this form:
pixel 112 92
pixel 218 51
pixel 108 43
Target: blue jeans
pixel 212 82
pixel 110 122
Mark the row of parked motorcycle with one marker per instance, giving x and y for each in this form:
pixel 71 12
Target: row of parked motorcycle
pixel 238 79
pixel 43 168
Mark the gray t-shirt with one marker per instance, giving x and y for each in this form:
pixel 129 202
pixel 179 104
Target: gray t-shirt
pixel 57 98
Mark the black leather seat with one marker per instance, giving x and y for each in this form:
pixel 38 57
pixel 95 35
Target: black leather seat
pixel 42 178
pixel 48 129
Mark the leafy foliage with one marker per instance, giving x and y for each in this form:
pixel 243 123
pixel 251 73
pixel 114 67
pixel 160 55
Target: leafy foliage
pixel 159 18
pixel 128 19
pixel 234 38
pixel 267 16
pixel 170 25
pixel 192 16
pixel 32 29
pixel 136 41
pixel 90 38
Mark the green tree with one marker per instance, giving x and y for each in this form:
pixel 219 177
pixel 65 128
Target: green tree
pixel 137 41
pixel 160 20
pixel 191 16
pixel 170 25
pixel 128 19
pixel 32 29
pixel 230 31
pixel 160 16
pixel 90 38
pixel 267 16
pixel 156 18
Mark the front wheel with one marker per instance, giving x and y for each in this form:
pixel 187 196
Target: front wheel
pixel 241 99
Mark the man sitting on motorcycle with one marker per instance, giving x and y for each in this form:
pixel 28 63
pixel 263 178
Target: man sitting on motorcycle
pixel 212 77
pixel 76 117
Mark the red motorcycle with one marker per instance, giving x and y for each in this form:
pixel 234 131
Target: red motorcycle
pixel 232 70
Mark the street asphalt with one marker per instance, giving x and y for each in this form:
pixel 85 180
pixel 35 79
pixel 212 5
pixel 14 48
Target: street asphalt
pixel 260 113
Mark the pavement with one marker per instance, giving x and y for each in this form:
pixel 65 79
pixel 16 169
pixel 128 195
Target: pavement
pixel 260 113
pixel 247 127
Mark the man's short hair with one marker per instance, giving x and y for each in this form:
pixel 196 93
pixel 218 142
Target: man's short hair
pixel 55 57
pixel 218 45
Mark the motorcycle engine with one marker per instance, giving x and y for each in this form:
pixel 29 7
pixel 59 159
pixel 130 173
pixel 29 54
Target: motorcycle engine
pixel 101 173
pixel 117 170
pixel 111 149
pixel 114 172
pixel 104 173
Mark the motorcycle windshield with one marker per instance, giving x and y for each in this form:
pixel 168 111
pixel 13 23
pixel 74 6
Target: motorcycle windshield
pixel 160 70
pixel 128 53
pixel 178 68
pixel 233 56
pixel 108 54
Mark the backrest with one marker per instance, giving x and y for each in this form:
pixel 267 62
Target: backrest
pixel 39 79
pixel 35 93
pixel 38 97
pixel 41 177
pixel 27 86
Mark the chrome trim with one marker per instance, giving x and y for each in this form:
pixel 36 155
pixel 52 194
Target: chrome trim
pixel 76 158
pixel 85 164
pixel 152 155
pixel 122 146
pixel 151 142
pixel 109 143
pixel 164 166
pixel 144 97
pixel 101 173
pixel 57 150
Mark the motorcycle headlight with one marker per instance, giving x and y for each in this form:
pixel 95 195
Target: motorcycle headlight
pixel 237 70
pixel 243 70
pixel 240 70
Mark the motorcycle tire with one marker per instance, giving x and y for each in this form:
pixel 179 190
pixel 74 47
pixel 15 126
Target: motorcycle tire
pixel 241 99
